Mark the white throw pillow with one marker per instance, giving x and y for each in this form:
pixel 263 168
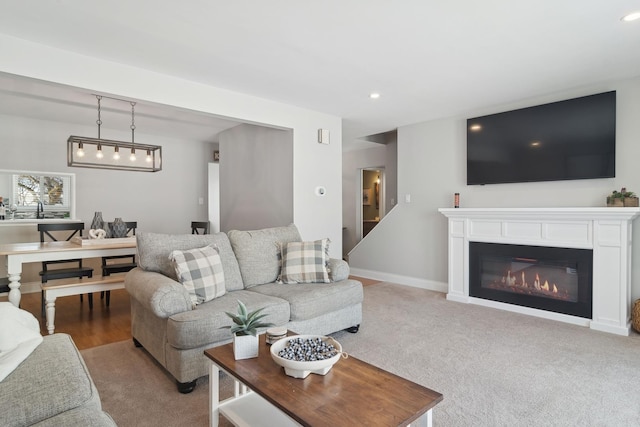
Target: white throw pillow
pixel 19 336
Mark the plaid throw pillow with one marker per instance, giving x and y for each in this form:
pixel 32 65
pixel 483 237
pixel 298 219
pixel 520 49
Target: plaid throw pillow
pixel 200 272
pixel 305 262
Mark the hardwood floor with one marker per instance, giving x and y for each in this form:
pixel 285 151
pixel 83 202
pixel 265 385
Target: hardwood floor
pixel 364 281
pixel 88 328
pixel 102 325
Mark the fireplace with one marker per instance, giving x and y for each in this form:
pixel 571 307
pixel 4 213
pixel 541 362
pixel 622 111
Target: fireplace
pixel 603 232
pixel 545 278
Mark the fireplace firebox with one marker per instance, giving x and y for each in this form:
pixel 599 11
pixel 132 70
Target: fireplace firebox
pixel 544 278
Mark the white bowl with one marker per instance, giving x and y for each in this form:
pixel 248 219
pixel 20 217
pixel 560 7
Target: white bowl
pixel 298 369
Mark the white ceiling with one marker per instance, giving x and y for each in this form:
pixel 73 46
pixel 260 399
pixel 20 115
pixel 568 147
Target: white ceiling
pixel 428 59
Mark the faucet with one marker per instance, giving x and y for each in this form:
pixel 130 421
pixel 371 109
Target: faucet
pixel 40 211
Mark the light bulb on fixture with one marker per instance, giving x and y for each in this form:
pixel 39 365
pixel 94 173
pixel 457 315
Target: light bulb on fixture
pixel 149 158
pixel 116 153
pixel 99 152
pixel 80 151
pixel 132 157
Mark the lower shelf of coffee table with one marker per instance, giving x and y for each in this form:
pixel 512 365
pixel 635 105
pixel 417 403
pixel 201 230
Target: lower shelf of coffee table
pixel 250 409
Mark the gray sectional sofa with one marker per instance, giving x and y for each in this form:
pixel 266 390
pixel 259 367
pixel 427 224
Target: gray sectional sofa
pixel 52 387
pixel 176 333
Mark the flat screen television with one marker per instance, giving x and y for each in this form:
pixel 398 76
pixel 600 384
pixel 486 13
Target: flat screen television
pixel 571 139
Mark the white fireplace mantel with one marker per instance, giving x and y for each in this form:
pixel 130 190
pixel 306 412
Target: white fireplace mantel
pixel 607 231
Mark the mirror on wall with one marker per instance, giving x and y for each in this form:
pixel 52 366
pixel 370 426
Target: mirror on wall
pixel 36 195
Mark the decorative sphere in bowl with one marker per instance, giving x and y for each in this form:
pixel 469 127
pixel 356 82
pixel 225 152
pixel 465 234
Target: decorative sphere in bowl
pixel 301 355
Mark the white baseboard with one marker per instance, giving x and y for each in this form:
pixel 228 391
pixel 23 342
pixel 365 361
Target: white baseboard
pixel 431 285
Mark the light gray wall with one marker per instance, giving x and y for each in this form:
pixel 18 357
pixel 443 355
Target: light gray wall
pixel 391 170
pixel 256 177
pixel 379 155
pixel 411 243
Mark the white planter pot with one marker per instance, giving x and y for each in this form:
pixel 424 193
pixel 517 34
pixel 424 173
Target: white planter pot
pixel 245 346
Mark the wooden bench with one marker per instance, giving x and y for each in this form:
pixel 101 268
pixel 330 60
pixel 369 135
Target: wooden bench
pixel 63 288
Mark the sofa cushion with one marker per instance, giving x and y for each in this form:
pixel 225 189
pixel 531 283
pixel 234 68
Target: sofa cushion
pixel 202 326
pixel 200 272
pixel 51 380
pixel 154 250
pixel 305 262
pixel 84 416
pixel 258 252
pixel 310 300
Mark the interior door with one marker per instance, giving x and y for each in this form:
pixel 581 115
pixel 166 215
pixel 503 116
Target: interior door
pixel 372 209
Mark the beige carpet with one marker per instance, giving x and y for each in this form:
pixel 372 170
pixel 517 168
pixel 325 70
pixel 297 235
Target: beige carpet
pixel 494 368
pixel 137 392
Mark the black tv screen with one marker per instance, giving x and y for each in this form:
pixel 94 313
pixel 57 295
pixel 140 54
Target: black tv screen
pixel 572 139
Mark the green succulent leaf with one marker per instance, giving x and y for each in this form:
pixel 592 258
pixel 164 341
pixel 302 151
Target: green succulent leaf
pixel 246 323
pixel 242 309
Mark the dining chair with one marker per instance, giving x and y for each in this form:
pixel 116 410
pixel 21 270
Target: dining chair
pixel 199 227
pixel 110 264
pixel 59 232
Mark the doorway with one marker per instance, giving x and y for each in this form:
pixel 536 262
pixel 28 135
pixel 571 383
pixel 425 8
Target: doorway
pixel 372 200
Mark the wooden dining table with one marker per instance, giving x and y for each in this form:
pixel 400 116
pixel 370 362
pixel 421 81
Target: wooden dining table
pixel 18 254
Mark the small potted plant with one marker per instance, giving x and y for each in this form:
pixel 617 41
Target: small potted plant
pixel 245 331
pixel 622 198
pixel 615 199
pixel 630 199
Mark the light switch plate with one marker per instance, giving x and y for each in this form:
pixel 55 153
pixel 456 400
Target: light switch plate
pixel 323 136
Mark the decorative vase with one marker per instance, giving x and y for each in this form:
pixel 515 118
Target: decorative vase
pixel 118 228
pixel 97 222
pixel 245 346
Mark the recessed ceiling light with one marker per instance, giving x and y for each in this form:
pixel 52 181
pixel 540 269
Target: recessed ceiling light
pixel 374 95
pixel 631 17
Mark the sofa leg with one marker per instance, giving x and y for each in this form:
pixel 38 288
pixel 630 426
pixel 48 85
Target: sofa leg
pixel 136 343
pixel 353 329
pixel 185 388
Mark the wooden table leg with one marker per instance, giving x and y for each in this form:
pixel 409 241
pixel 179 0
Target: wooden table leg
pixel 14 289
pixel 214 394
pixel 425 420
pixel 50 311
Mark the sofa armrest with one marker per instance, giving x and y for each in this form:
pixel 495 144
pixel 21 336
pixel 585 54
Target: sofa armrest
pixel 158 293
pixel 339 270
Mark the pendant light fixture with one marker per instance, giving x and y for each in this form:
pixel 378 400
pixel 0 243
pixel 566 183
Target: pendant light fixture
pixel 78 147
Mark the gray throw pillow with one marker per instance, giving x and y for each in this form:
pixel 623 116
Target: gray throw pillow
pixel 200 272
pixel 305 262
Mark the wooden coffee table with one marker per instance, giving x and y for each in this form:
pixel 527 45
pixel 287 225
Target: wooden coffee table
pixel 352 393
